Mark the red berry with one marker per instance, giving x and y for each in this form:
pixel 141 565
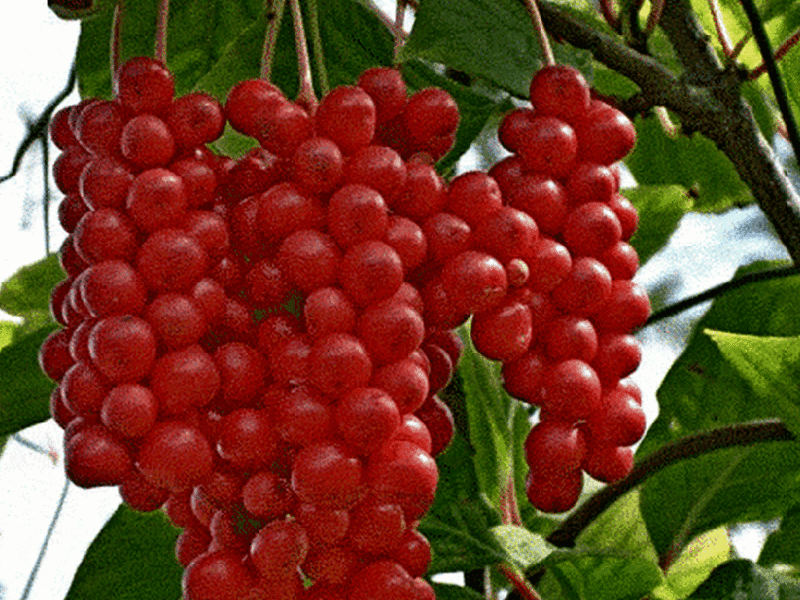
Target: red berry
pixel 123 348
pixel 339 363
pixel 325 475
pixel 605 135
pixel 570 391
pixel 184 379
pixel 370 272
pixel 99 127
pixel 318 165
pixel 130 410
pixel 105 234
pixel 554 495
pixel 404 474
pixel 219 575
pixel 387 89
pixel 195 119
pixel 390 332
pixel 279 549
pixel 309 259
pixel 430 113
pixel 503 332
pixel 171 261
pixel 246 101
pixel 104 183
pixel 514 128
pixel 366 418
pixel 357 214
pixel 586 289
pixel 591 229
pixel 147 142
pixel 145 85
pixel 175 456
pixel 380 168
pixel 93 457
pixel 405 381
pixel 474 196
pixel 474 280
pixel 560 91
pixel 247 439
pixel 550 148
pixel 347 116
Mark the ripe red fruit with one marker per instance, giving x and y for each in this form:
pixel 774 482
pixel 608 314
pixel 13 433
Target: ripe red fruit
pixel 405 381
pixel 318 165
pixel 93 457
pixel 387 89
pixel 550 148
pixel 357 214
pixel 105 234
pixel 376 529
pixel 147 142
pixel 474 281
pixel 339 363
pixel 380 168
pixel 560 91
pixel 283 128
pixel 184 379
pixel 474 196
pixel 157 199
pixel 605 135
pixel 571 391
pixel 514 128
pixel 279 549
pixel 309 259
pixel 553 449
pixel 176 321
pixel 123 348
pixel 366 418
pixel 99 127
pixel 242 371
pixel 413 553
pixel 220 575
pixel 608 463
pixel 175 456
pixel 550 264
pixel 503 332
pixel 247 439
pixel 628 307
pixel 325 475
pixel 104 183
pixel 347 116
pixel 430 113
pixel 370 272
pixel 171 261
pixel 54 354
pixel 446 235
pixel 267 496
pixel 402 473
pixel 424 192
pixel 195 119
pixel 302 418
pixel 507 234
pixel 554 495
pixel 390 332
pixel 129 410
pixel 586 289
pixel 591 229
pixel 247 99
pixel 145 85
pixel 438 418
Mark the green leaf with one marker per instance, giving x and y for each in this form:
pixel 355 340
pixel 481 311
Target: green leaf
pixel 704 554
pixel 702 390
pixel 783 546
pixel 687 162
pixel 489 412
pixel 7 331
pixel 489 39
pixel 24 389
pixel 446 591
pixel 770 365
pixel 661 207
pixel 459 522
pixel 621 529
pixel 596 575
pixel 743 580
pixel 522 546
pixel 132 558
pixel 27 293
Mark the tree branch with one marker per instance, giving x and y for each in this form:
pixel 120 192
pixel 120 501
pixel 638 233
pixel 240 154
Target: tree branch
pixel 707 99
pixel 698 444
pixel 719 290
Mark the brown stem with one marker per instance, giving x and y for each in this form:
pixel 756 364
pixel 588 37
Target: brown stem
pixel 116 43
pixel 399 18
pixel 737 49
pixel 306 96
pixel 161 31
pixel 719 25
pixel 779 54
pixel 541 34
pixel 607 8
pixel 654 17
pixel 706 99
pixel 388 23
pixel 523 587
pixel 698 444
pixel 275 10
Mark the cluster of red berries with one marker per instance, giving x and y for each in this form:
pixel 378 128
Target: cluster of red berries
pixel 245 342
pixel 563 334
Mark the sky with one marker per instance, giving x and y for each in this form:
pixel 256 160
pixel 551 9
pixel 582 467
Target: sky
pixel 700 255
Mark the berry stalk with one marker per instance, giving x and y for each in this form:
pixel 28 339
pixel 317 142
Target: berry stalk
pixel 274 18
pixel 306 96
pixel 541 34
pixel 162 22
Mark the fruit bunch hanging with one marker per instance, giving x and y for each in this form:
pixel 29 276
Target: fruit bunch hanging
pixel 256 345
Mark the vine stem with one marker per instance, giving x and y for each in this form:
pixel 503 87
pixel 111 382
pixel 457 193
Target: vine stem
pixel 32 578
pixel 316 41
pixel 607 9
pixel 719 25
pixel 657 8
pixel 692 446
pixel 275 9
pixel 760 34
pixel 523 587
pixel 388 23
pixel 737 49
pixel 666 123
pixel 161 31
pixel 399 18
pixel 779 54
pixel 547 52
pixel 116 43
pixel 305 96
pixel 721 289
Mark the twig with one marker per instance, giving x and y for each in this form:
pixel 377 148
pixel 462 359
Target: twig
pixel 721 289
pixel 737 49
pixel 607 8
pixel 541 34
pixel 764 46
pixel 316 42
pixel 275 10
pixel 305 96
pixel 722 31
pixel 51 454
pixel 161 31
pixel 399 18
pixel 654 17
pixel 116 43
pixel 698 444
pixel 46 195
pixel 779 54
pixel 388 23
pixel 39 127
pixel 523 587
pixel 32 578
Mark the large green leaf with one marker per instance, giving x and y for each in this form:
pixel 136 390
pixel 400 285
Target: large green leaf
pixel 771 366
pixel 661 207
pixel 704 554
pixel 459 522
pixel 702 390
pixel 783 546
pixel 696 162
pixel 743 580
pixel 489 412
pixel 132 558
pixel 490 39
pixel 26 294
pixel 24 389
pixel 521 546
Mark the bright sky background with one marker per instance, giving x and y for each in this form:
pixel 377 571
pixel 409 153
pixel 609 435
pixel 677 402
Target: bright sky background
pixel 39 49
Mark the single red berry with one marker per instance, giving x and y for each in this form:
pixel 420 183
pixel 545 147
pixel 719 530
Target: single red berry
pixel 309 259
pixel 503 332
pixel 145 85
pixel 175 456
pixel 605 135
pixel 104 183
pixel 474 280
pixel 318 165
pixel 247 438
pixel 366 418
pixel 347 115
pixel 571 391
pixel 586 289
pixel 474 196
pixel 157 200
pixel 380 168
pixel 195 119
pixel 390 332
pixel 438 418
pixel 551 147
pixel 560 91
pixel 123 348
pixel 246 101
pixel 405 381
pixel 514 128
pixel 424 193
pixel 370 272
pixel 130 410
pixel 387 89
pixel 326 476
pixel 430 113
pixel 339 363
pixel 220 575
pixel 356 214
pixel 554 495
pixel 279 549
pixel 99 127
pixel 105 234
pixel 171 261
pixel 93 457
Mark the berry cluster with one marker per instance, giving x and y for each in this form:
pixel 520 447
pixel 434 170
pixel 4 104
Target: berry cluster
pixel 255 345
pixel 563 334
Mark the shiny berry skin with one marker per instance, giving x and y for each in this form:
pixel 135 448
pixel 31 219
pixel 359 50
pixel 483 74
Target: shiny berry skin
pixel 93 457
pixel 387 89
pixel 325 475
pixel 123 348
pixel 175 456
pixel 347 116
pixel 560 91
pixel 145 85
pixel 551 147
pixel 430 113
